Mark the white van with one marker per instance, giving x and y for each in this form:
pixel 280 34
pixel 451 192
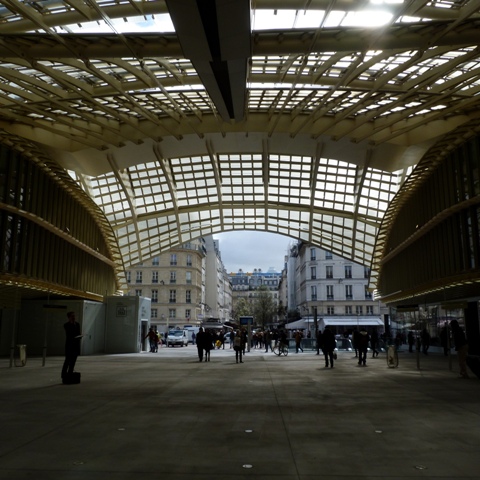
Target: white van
pixel 177 337
pixel 190 331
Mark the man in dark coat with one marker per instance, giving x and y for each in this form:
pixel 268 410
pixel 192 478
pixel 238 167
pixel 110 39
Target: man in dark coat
pixel 461 346
pixel 329 343
pixel 363 339
pixel 202 339
pixel 72 344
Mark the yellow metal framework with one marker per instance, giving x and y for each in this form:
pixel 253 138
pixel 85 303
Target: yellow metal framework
pixel 181 122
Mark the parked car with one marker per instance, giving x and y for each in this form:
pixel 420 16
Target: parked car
pixel 177 337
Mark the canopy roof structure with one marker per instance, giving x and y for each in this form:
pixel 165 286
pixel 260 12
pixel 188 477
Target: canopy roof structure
pixel 183 118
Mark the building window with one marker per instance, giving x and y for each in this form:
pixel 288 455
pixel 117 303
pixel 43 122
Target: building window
pixel 348 271
pixel 366 272
pixel 188 313
pixel 359 310
pixel 139 277
pixel 348 292
pixel 154 313
pixel 188 277
pixel 313 254
pixel 328 271
pixel 313 292
pixel 138 293
pixel 155 261
pixel 368 293
pixel 173 259
pixel 173 296
pixel 172 313
pixel 189 260
pixel 154 296
pixel 313 273
pixel 129 277
pixel 330 292
pixel 328 255
pixel 348 310
pixel 173 277
pixel 369 309
pixel 331 310
pixel 154 277
pixel 188 296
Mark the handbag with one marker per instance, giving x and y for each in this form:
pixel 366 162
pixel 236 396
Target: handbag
pixel 334 355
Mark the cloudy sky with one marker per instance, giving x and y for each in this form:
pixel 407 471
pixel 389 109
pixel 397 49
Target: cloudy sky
pixel 247 250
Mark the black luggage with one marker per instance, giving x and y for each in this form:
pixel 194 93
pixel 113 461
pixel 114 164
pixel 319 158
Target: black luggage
pixel 71 378
pixel 473 363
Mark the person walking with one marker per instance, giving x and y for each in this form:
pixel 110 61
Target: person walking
pixel 200 340
pixel 319 341
pixel 329 344
pixel 363 340
pixel 266 339
pixel 355 338
pixel 425 336
pixel 238 346
pixel 298 341
pixel 208 345
pixel 152 338
pixel 461 346
pixel 374 343
pixel 411 341
pixel 72 345
pixel 444 340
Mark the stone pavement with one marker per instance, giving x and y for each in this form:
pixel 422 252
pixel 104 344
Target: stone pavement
pixel 168 416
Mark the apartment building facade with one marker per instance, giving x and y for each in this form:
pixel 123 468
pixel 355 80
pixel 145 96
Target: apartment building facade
pixel 332 290
pixel 175 282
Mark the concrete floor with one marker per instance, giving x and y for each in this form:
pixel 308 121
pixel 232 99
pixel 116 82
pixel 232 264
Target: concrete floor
pixel 168 416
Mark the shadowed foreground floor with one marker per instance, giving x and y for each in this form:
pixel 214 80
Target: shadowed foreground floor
pixel 168 416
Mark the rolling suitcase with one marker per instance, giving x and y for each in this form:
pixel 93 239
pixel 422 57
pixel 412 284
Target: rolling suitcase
pixel 473 363
pixel 71 378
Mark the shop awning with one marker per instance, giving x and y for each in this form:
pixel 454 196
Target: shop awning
pixel 353 322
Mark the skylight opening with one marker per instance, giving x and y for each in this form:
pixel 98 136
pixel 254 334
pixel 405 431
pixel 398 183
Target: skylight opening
pixel 154 24
pixel 290 19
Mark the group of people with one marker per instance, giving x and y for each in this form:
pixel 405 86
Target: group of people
pixel 206 341
pixel 154 339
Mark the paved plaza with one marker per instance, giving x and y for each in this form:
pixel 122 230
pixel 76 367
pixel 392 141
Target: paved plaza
pixel 168 416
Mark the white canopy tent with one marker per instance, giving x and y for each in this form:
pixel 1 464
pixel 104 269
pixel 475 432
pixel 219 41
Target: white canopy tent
pixel 307 323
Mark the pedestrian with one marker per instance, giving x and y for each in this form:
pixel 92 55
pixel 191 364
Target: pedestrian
pixel 374 343
pixel 232 336
pixel 238 346
pixel 444 340
pixel 363 340
pixel 208 344
pixel 355 339
pixel 319 341
pixel 72 345
pixel 329 343
pixel 266 339
pixel 425 337
pixel 244 337
pixel 461 346
pixel 200 340
pixel 411 341
pixel 152 339
pixel 298 341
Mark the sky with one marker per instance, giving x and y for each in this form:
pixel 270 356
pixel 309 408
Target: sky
pixel 248 250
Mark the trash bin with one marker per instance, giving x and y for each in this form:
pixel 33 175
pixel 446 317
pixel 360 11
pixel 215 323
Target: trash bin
pixel 392 356
pixel 22 353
